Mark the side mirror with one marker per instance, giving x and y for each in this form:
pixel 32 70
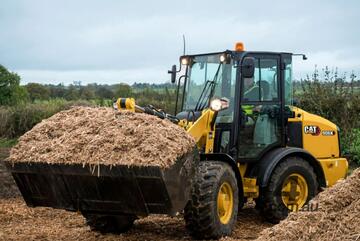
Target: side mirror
pixel 248 67
pixel 173 73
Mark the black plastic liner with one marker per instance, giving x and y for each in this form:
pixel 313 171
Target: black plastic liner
pixel 107 190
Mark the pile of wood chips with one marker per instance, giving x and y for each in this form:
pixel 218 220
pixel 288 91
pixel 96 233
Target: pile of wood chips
pixel 89 135
pixel 337 216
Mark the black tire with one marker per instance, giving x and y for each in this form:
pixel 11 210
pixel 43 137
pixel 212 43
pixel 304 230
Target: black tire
pixel 201 215
pixel 109 224
pixel 270 201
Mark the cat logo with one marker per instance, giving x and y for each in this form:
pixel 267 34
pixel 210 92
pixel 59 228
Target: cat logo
pixel 313 130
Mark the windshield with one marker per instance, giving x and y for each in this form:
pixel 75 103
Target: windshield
pixel 209 78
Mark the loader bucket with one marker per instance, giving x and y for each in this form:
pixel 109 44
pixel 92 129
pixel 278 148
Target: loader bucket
pixel 107 189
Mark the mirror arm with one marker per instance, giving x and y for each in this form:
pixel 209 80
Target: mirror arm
pixel 180 68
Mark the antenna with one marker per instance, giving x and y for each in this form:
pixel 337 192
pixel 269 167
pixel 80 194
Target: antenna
pixel 184 44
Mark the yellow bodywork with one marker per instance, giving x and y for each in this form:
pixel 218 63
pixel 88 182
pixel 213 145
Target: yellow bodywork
pixel 334 169
pixel 320 138
pixel 250 187
pixel 318 144
pixel 202 130
pixel 126 104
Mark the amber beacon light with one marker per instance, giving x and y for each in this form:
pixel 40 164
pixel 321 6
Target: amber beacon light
pixel 239 46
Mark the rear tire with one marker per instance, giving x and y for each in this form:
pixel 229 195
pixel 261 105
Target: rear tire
pixel 271 201
pixel 212 211
pixel 109 223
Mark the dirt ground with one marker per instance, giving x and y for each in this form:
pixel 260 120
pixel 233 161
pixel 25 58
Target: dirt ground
pixel 18 222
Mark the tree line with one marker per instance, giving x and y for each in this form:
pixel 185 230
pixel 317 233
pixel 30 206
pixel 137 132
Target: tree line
pixel 12 93
pixel 326 93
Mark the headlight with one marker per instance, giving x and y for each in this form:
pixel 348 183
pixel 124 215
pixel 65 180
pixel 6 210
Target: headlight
pixel 184 60
pixel 222 58
pixel 215 105
pixel 225 58
pixel 219 104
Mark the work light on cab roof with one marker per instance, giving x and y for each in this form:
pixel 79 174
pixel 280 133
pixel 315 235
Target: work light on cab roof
pixel 239 46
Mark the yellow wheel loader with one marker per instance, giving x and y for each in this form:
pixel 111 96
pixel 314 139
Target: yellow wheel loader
pixel 251 143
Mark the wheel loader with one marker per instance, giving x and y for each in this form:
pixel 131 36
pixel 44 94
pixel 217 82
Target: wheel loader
pixel 252 143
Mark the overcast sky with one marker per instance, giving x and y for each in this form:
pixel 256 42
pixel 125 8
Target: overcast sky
pixel 113 41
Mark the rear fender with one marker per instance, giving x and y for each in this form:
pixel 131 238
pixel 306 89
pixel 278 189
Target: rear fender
pixel 268 163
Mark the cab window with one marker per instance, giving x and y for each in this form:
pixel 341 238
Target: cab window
pixel 264 85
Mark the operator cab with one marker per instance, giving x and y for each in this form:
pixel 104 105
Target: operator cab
pixel 258 88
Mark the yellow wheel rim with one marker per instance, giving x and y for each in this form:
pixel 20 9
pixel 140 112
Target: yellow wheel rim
pixel 225 203
pixel 294 192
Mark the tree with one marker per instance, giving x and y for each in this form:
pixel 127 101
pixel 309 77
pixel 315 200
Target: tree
pixel 104 93
pixel 57 91
pixel 123 90
pixel 87 92
pixel 11 93
pixel 37 91
pixel 72 93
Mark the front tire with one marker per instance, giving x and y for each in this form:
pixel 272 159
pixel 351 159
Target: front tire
pixel 212 211
pixel 291 186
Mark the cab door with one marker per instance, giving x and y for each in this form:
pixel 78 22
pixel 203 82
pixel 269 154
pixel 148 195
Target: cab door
pixel 261 120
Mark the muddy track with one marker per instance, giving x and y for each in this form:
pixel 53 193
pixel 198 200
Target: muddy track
pixel 18 222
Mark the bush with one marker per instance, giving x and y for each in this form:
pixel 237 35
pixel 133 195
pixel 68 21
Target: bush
pixel 351 145
pixel 334 100
pixel 37 91
pixel 16 120
pixel 6 143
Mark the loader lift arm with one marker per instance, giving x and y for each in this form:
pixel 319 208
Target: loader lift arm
pixel 202 129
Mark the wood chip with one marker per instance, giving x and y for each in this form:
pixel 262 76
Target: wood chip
pixel 96 136
pixel 337 216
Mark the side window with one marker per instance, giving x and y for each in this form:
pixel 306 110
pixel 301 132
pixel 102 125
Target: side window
pixel 226 88
pixel 264 85
pixel 288 82
pixel 251 91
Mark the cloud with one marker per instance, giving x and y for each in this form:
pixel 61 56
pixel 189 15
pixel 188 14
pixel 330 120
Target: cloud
pixel 341 59
pixel 48 40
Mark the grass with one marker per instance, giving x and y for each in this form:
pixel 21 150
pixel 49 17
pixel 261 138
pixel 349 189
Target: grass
pixel 6 143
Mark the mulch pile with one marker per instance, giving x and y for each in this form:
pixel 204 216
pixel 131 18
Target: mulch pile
pixel 89 135
pixel 337 216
